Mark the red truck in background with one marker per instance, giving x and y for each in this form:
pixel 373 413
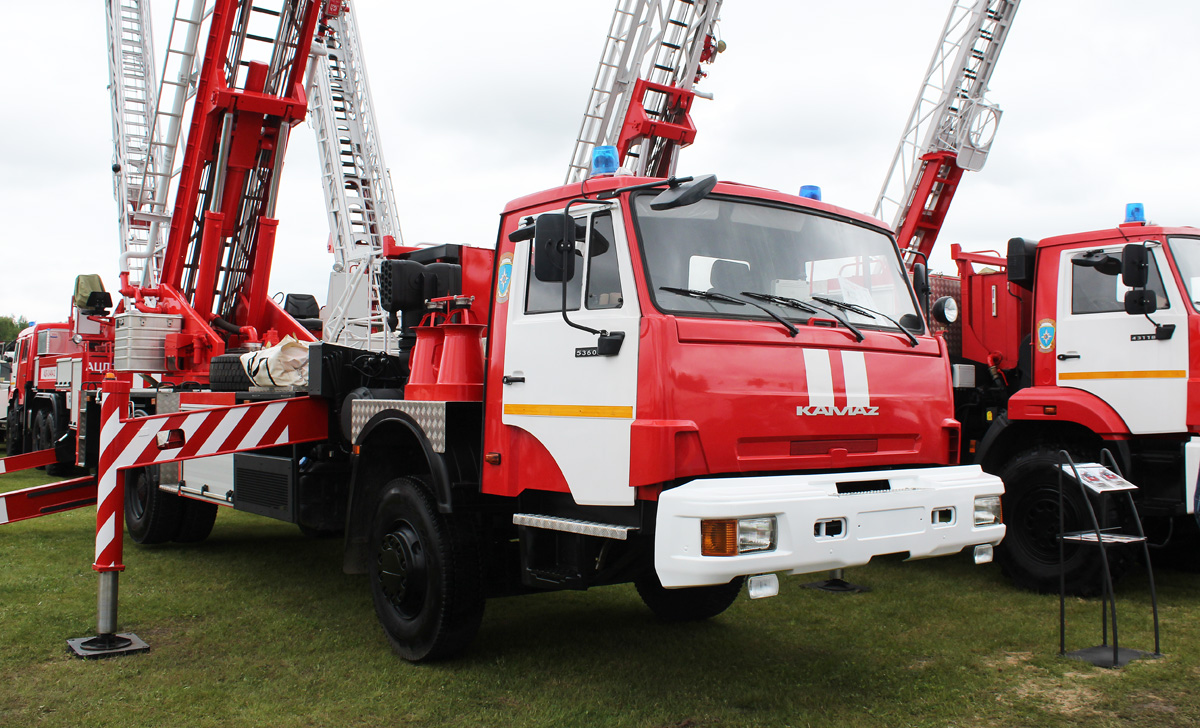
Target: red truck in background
pixel 53 365
pixel 1081 342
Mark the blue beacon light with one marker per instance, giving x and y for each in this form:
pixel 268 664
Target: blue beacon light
pixel 811 192
pixel 1135 212
pixel 604 160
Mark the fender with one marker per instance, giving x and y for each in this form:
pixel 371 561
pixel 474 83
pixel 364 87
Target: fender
pixel 390 444
pixel 1068 405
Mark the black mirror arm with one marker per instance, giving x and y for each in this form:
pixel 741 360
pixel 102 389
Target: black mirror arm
pixel 568 248
pixel 673 182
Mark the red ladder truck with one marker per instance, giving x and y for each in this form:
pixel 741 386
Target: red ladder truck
pixel 1047 354
pixel 679 383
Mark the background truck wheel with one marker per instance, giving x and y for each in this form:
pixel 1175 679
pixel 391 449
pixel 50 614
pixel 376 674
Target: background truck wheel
pixel 151 515
pixel 425 573
pixel 688 604
pixel 14 434
pixel 196 521
pixel 1028 555
pixel 38 439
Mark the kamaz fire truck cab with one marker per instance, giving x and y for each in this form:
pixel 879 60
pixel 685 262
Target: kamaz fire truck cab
pixel 1079 342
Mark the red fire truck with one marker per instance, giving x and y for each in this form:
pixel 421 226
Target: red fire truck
pixel 679 383
pixel 1079 342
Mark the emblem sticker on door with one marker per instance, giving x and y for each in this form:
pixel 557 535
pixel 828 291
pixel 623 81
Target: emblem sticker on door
pixel 504 277
pixel 1045 335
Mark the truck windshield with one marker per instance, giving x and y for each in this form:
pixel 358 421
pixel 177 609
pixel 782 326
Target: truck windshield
pixel 1186 252
pixel 737 247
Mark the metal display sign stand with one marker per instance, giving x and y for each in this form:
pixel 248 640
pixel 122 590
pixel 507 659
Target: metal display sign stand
pixel 1098 482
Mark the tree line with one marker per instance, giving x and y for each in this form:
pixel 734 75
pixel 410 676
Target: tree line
pixel 10 326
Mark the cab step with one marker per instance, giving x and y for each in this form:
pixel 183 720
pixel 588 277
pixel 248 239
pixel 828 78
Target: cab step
pixel 571 525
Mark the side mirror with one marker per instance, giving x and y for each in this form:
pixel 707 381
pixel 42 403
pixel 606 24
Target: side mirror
pixel 550 234
pixel 1135 267
pixel 920 281
pixel 688 193
pixel 1140 301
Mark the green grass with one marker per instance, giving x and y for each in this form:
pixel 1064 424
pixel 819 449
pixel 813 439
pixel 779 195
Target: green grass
pixel 259 627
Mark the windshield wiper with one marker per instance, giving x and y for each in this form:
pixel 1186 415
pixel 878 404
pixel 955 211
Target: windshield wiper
pixel 868 312
pixel 781 300
pixel 711 296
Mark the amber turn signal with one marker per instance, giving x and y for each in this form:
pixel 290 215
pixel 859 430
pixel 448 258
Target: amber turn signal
pixel 719 538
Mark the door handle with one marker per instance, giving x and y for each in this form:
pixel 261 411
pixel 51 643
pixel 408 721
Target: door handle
pixel 1064 357
pixel 512 380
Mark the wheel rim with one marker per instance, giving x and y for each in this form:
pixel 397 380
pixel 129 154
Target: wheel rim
pixel 141 496
pixel 402 570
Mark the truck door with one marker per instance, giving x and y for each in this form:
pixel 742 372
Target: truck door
pixel 1105 351
pixel 578 405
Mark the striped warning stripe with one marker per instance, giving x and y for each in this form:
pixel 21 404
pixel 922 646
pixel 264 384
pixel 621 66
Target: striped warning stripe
pixel 818 371
pixel 200 433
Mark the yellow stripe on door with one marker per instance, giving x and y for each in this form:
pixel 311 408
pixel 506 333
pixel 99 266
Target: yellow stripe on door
pixel 1150 374
pixel 568 410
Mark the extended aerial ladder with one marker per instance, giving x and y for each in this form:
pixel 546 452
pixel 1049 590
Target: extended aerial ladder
pixel 147 121
pixel 354 179
pixel 217 260
pixel 950 128
pixel 643 90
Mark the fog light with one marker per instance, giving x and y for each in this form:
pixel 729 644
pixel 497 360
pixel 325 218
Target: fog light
pixel 983 554
pixel 762 586
pixel 987 510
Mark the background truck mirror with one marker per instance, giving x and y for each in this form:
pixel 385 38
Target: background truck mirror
pixel 1135 267
pixel 1140 301
pixel 549 241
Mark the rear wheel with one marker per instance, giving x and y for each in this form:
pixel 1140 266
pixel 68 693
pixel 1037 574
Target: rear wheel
pixel 196 521
pixel 425 573
pixel 151 515
pixel 1029 554
pixel 688 604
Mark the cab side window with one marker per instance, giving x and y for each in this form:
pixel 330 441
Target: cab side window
pixel 1096 292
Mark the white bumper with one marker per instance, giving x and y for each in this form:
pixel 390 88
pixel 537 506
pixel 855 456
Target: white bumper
pixel 899 520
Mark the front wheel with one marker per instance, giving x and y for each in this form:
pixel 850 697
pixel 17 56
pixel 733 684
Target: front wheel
pixel 688 604
pixel 1029 553
pixel 425 573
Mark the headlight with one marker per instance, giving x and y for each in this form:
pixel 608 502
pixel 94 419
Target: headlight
pixel 987 510
pixel 730 536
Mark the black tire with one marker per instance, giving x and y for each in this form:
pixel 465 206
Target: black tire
pixel 151 515
pixel 425 573
pixel 14 434
pixel 1028 555
pixel 225 373
pixel 196 522
pixel 689 604
pixel 38 438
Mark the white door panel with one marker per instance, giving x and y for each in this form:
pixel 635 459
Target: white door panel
pixel 580 408
pixel 1144 381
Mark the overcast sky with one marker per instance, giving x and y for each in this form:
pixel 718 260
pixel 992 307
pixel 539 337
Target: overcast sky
pixel 480 102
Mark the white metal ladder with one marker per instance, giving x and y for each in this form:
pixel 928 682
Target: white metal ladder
pixel 356 184
pixel 658 40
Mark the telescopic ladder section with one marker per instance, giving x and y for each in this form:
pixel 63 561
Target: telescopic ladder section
pixel 951 126
pixel 249 93
pixel 355 180
pixel 642 93
pixel 149 213
pixel 134 93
